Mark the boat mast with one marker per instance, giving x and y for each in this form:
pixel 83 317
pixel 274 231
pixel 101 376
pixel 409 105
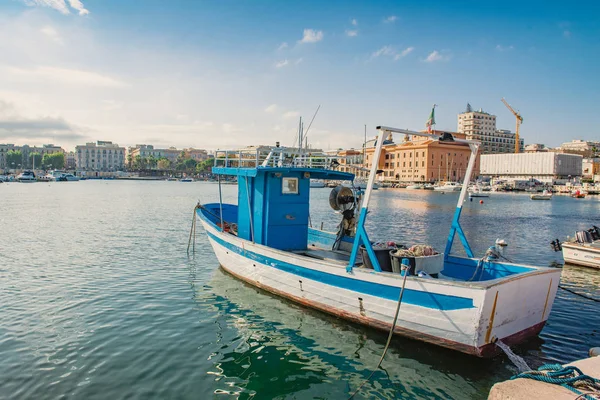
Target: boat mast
pixel 300 135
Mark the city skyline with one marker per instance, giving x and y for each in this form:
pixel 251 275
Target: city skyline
pixel 215 75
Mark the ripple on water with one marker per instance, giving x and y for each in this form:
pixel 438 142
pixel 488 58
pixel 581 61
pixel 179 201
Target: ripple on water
pixel 99 300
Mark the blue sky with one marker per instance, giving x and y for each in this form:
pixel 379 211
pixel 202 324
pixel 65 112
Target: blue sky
pixel 232 73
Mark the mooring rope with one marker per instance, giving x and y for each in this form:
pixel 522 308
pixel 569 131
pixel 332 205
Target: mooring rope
pixel 569 377
pixel 193 231
pixel 579 294
pixel 389 339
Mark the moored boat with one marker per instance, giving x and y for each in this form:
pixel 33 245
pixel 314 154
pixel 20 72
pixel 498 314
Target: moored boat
pixel 578 194
pixel 545 195
pixel 317 183
pixel 448 187
pixel 27 177
pixel 463 303
pixel 415 186
pixel 583 249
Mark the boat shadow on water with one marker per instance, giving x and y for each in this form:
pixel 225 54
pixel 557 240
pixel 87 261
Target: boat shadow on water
pixel 299 349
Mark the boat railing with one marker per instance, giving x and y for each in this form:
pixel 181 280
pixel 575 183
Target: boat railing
pixel 274 157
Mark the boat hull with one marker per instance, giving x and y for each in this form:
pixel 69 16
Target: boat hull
pixel 465 317
pixel 581 255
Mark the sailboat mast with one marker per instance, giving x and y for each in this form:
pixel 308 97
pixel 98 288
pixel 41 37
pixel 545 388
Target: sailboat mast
pixel 300 139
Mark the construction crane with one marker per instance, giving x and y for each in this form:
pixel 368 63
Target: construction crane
pixel 519 122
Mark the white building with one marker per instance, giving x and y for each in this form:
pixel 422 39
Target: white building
pixel 100 156
pixel 481 126
pixel 545 167
pixel 583 147
pixel 148 150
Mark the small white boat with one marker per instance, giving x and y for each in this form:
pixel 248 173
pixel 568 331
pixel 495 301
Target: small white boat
pixel 545 195
pixel 317 183
pixel 26 177
pixel 583 249
pixel 462 303
pixel 448 187
pixel 477 192
pixel 416 186
pixel 428 186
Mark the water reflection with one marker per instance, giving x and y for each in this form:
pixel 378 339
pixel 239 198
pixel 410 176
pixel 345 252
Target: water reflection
pixel 283 349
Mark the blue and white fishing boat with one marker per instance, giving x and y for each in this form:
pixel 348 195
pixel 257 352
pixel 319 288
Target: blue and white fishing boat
pixel 462 303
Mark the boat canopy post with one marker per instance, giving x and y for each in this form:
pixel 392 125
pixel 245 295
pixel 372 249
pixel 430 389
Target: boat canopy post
pixel 220 204
pixel 361 233
pixel 455 227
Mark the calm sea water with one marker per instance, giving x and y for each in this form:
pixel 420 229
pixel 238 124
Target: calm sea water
pixel 98 299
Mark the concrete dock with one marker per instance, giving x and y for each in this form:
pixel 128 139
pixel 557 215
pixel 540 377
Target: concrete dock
pixel 522 388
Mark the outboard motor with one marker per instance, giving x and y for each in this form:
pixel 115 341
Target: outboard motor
pixel 555 245
pixel 595 232
pixel 345 200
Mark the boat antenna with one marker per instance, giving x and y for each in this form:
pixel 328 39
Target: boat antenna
pixel 311 121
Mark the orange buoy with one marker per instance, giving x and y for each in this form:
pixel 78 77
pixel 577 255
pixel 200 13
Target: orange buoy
pixel 480 201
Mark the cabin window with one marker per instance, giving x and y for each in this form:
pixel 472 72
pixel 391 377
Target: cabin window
pixel 289 186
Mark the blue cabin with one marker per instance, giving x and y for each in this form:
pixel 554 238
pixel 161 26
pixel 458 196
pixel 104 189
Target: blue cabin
pixel 273 200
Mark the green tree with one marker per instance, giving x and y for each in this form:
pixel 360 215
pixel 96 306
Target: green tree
pixel 14 158
pixel 137 162
pixel 163 164
pixel 190 164
pixel 35 159
pixel 129 161
pixel 152 161
pixel 205 166
pixel 54 161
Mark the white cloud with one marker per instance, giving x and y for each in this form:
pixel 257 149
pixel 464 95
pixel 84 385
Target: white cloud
pixel 281 63
pixel 63 75
pixel 391 19
pixel 282 46
pixel 404 53
pixel 354 22
pixel 298 61
pixel 384 51
pixel 504 48
pixel 352 33
pixel 389 51
pixel 291 114
pixel 436 56
pixel 52 33
pixel 272 108
pixel 59 5
pixel 311 36
pixel 78 5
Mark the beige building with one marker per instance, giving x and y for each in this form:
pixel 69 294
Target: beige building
pixel 422 159
pixel 536 148
pixel 148 150
pixel 70 160
pixel 583 147
pixel 198 155
pixel 481 126
pixel 100 156
pixel 590 167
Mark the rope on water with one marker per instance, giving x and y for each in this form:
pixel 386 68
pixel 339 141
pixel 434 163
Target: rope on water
pixel 570 377
pixel 579 294
pixel 389 339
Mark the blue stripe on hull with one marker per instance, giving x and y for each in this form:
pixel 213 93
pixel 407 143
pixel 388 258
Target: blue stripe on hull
pixel 414 297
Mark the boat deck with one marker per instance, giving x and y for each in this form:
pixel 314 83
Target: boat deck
pixel 336 256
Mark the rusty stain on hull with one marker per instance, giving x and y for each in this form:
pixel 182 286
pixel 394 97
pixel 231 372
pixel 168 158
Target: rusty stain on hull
pixel 547 297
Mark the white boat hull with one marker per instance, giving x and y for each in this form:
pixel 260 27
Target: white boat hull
pixel 577 254
pixel 464 316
